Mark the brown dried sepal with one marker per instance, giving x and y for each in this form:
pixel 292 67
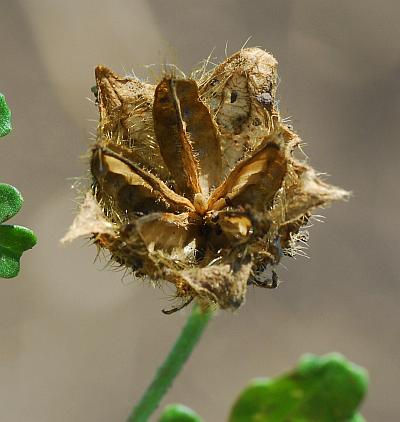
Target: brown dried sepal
pixel 195 182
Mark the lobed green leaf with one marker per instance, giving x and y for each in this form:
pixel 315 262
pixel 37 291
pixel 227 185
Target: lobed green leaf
pixel 10 202
pixel 14 240
pixel 179 413
pixel 5 117
pixel 321 389
pixel 356 418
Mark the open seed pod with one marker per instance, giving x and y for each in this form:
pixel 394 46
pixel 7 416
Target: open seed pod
pixel 195 182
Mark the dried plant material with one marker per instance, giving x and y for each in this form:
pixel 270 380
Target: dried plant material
pixel 195 182
pixel 89 220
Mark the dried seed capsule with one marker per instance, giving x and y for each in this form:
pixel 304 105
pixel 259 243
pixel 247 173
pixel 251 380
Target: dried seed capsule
pixel 195 182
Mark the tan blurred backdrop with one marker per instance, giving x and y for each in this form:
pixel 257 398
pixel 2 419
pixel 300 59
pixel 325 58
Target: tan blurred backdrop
pixel 80 344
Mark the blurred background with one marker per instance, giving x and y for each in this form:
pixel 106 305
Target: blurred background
pixel 80 343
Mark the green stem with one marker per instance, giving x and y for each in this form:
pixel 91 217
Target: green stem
pixel 172 365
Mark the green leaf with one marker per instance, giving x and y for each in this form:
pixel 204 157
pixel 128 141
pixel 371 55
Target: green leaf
pixel 356 418
pixel 179 413
pixel 321 389
pixel 10 202
pixel 14 240
pixel 5 117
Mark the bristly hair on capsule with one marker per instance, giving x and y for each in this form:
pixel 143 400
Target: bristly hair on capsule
pixel 194 181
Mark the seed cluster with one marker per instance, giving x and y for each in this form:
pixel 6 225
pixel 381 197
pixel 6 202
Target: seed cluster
pixel 195 182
